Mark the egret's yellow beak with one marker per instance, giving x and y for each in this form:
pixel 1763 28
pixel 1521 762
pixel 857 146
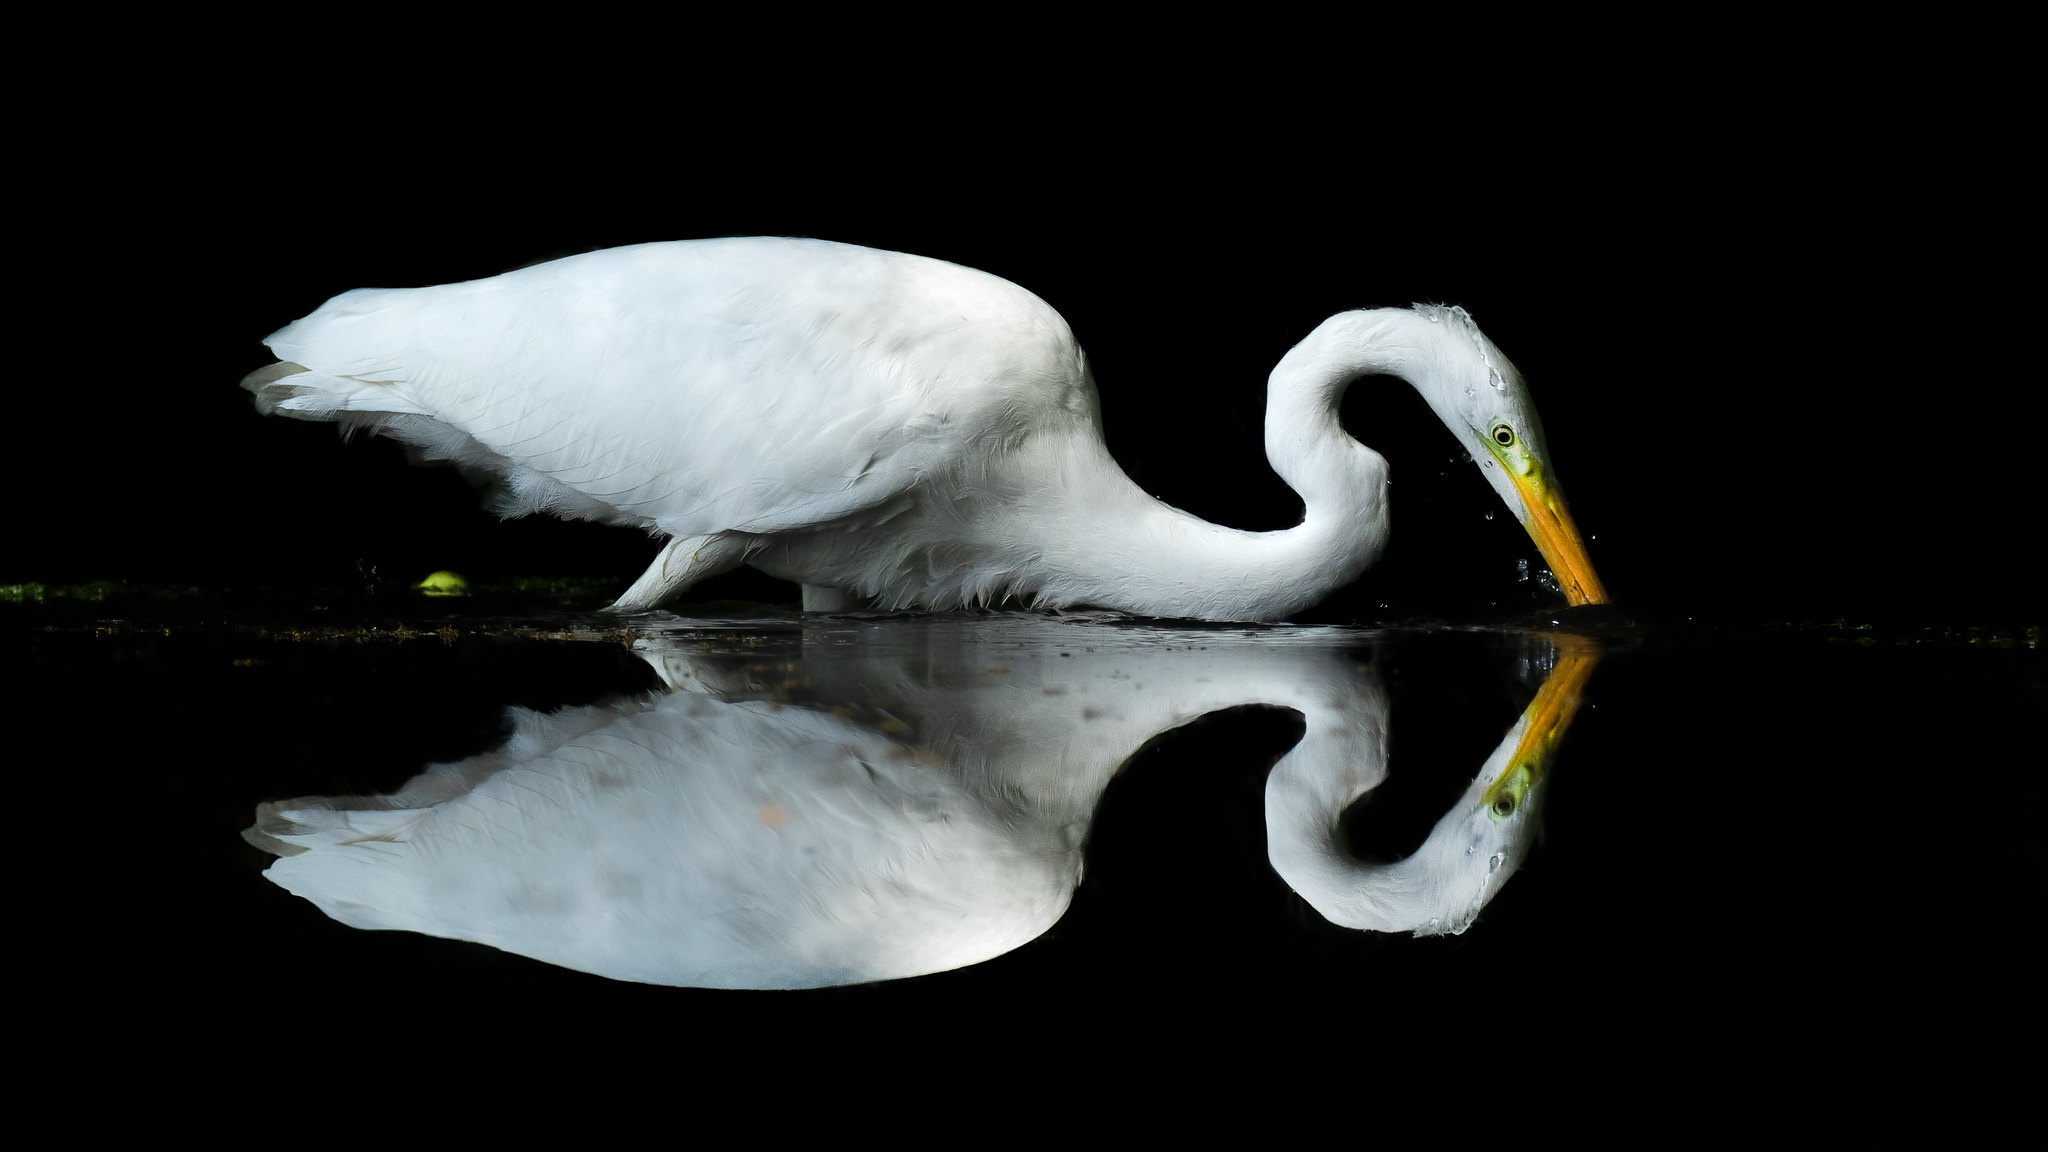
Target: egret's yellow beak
pixel 1550 525
pixel 1545 516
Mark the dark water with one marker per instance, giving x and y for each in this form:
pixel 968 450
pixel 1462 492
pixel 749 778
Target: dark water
pixel 1752 854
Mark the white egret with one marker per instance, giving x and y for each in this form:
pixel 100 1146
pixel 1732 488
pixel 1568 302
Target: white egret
pixel 885 429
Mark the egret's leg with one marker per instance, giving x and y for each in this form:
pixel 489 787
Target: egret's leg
pixel 823 598
pixel 683 562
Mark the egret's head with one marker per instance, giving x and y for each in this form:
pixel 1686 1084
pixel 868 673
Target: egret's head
pixel 1480 396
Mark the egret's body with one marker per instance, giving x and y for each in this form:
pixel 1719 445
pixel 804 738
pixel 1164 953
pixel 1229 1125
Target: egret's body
pixel 885 429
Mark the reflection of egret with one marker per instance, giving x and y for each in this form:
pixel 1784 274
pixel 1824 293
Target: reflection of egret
pixel 1468 855
pixel 910 804
pixel 883 428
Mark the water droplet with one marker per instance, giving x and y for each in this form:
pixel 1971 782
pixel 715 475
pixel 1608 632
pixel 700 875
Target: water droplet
pixel 1493 865
pixel 1435 920
pixel 1493 379
pixel 1521 570
pixel 1489 514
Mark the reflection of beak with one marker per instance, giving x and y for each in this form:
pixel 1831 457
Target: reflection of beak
pixel 1558 539
pixel 1557 701
pixel 1545 719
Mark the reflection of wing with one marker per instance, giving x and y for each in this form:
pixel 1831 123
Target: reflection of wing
pixel 610 386
pixel 688 841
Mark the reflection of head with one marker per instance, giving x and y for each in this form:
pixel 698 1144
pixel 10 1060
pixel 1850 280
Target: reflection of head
pixel 1467 857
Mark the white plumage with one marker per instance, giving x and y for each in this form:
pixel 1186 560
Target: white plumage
pixel 884 429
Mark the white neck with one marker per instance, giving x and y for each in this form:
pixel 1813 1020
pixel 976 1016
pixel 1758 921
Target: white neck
pixel 1144 556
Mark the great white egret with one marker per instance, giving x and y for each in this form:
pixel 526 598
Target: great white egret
pixel 887 430
pixel 915 802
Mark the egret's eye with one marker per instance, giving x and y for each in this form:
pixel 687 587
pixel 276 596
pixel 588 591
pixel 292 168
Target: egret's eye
pixel 1504 807
pixel 1503 435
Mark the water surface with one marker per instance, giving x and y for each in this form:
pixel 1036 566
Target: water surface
pixel 1815 842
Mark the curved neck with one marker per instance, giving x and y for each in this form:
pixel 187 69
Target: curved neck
pixel 1308 383
pixel 1107 542
pixel 1163 560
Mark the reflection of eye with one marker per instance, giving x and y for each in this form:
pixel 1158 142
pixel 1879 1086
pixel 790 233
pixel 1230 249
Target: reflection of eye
pixel 1503 435
pixel 1508 792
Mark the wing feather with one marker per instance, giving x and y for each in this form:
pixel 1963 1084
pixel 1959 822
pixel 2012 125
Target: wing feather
pixel 692 387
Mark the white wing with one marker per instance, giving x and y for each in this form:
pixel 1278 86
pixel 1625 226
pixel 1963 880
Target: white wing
pixel 697 386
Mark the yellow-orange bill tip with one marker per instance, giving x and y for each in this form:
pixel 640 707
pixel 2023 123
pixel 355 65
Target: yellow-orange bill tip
pixel 1557 538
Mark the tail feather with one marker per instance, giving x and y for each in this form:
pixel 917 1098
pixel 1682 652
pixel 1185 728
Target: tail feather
pixel 289 389
pixel 289 827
